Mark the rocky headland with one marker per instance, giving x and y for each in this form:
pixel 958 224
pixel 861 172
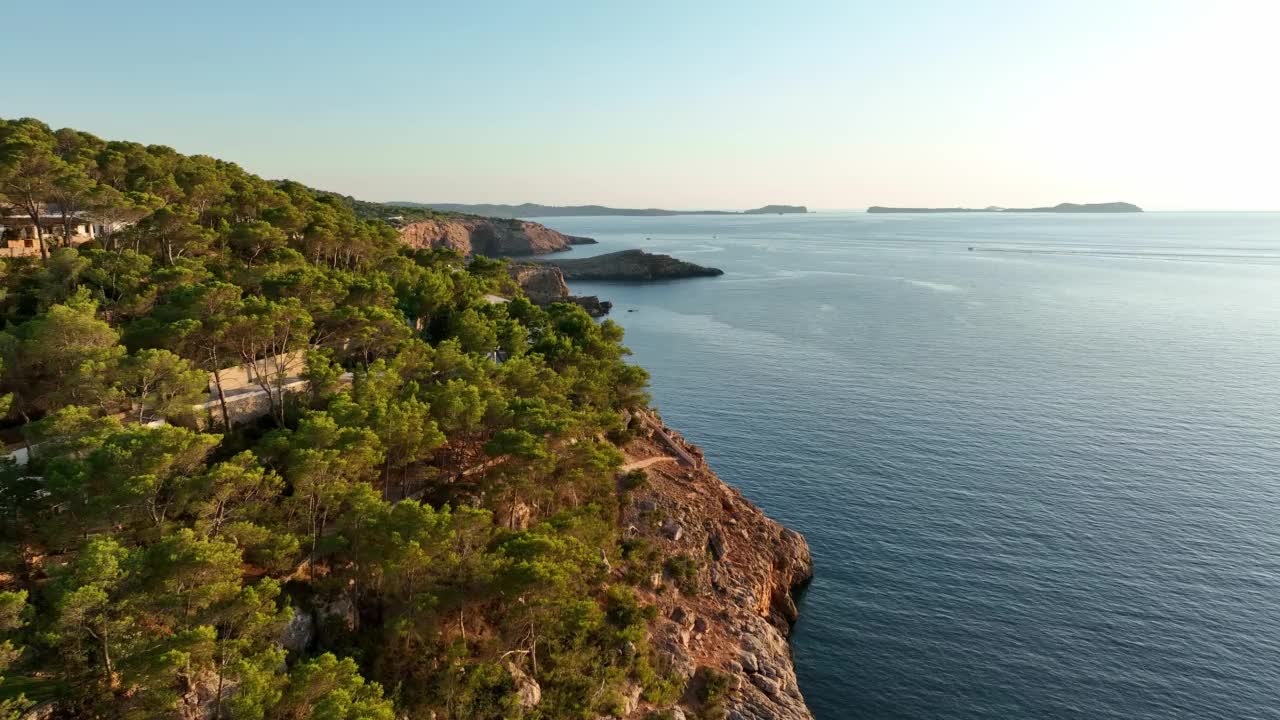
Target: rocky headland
pixel 726 592
pixel 630 266
pixel 494 237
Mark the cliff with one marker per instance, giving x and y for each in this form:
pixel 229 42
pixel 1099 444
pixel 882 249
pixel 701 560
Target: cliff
pixel 544 284
pixel 1112 207
pixel 726 592
pixel 630 265
pixel 471 235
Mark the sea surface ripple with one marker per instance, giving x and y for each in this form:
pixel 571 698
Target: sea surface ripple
pixel 1037 457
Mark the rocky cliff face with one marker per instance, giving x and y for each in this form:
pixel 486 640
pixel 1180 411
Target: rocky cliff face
pixel 728 604
pixel 488 236
pixel 544 284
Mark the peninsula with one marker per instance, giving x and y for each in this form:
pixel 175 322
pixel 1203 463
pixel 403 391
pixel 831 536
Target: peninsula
pixel 630 266
pixel 532 210
pixel 1111 207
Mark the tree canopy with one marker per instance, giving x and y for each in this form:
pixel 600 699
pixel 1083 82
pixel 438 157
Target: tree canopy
pixel 430 523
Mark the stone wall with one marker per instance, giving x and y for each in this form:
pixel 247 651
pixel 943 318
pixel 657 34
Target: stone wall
pixel 245 377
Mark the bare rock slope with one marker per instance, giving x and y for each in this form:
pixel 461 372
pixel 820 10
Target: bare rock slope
pixel 494 237
pixel 731 607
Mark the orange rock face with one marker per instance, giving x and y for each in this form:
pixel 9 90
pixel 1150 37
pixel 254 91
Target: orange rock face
pixel 488 236
pixel 732 606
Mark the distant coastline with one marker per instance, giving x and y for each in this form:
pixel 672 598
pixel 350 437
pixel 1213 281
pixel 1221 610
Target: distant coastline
pixel 532 210
pixel 1111 207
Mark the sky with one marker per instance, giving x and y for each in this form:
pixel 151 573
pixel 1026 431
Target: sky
pixel 1168 104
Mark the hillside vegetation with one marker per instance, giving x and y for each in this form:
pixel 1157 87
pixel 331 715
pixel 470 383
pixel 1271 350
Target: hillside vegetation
pixel 437 533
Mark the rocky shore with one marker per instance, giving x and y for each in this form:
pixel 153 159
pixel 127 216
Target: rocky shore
pixel 494 237
pixel 727 603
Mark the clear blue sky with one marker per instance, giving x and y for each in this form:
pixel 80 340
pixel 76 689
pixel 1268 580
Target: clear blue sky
pixel 682 104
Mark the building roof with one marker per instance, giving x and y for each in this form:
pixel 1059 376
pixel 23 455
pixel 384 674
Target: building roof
pixel 53 219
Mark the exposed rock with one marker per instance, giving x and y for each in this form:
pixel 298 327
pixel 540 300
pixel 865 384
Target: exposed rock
pixel 715 544
pixel 630 266
pixel 471 235
pixel 341 610
pixel 594 306
pixel 299 632
pixel 700 626
pixel 631 699
pixel 200 700
pixel 528 691
pixel 672 530
pixel 738 622
pixel 766 684
pixel 544 284
pixel 518 516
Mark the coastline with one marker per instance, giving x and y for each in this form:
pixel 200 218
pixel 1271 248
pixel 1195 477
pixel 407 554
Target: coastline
pixel 729 612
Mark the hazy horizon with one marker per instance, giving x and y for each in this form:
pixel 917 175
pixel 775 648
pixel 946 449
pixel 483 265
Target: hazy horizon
pixel 718 106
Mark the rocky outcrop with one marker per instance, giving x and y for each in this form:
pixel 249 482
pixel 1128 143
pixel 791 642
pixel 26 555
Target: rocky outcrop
pixel 630 266
pixel 725 594
pixel 494 237
pixel 544 284
pixel 594 306
pixel 298 634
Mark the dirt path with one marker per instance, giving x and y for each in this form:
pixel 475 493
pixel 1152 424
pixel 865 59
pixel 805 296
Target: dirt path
pixel 638 464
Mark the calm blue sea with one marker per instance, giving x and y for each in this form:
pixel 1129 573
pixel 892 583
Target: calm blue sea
pixel 1037 457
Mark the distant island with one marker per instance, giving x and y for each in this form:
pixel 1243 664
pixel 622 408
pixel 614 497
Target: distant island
pixel 1111 207
pixel 532 210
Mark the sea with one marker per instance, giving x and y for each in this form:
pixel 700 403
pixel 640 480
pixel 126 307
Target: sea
pixel 1036 457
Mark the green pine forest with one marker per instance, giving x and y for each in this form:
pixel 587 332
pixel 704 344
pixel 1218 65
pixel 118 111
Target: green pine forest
pixel 449 521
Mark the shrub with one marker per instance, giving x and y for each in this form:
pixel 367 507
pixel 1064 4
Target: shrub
pixel 712 686
pixel 684 572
